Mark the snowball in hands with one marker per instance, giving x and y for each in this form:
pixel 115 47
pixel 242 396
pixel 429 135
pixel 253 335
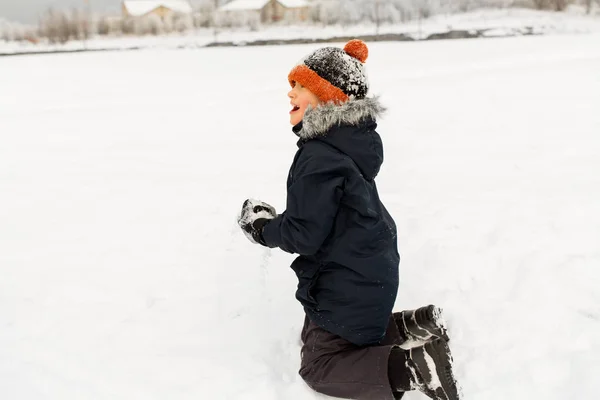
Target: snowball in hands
pixel 255 214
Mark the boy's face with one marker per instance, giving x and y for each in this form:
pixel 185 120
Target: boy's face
pixel 300 98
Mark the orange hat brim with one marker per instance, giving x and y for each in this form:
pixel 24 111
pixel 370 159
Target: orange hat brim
pixel 320 87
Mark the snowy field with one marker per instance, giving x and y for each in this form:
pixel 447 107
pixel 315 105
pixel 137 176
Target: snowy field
pixel 124 276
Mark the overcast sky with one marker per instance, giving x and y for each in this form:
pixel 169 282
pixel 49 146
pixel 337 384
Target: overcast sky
pixel 28 10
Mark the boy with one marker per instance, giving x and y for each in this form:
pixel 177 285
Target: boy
pixel 353 346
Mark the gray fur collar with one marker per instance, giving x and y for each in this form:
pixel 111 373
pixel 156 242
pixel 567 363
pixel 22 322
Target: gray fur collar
pixel 318 121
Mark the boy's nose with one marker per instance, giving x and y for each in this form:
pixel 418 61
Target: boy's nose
pixel 291 93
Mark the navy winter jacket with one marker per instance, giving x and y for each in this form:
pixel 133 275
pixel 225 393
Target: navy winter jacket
pixel 346 240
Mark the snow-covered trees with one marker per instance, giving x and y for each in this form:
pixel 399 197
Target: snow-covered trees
pixel 348 12
pixel 109 26
pixel 590 4
pixel 62 26
pixel 55 26
pixel 10 31
pixel 184 23
pixel 557 5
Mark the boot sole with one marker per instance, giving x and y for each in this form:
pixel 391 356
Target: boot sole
pixel 449 389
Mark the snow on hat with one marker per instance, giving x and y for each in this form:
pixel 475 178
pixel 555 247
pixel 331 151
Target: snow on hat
pixel 333 74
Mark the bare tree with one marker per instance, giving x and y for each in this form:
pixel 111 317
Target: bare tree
pixel 59 27
pixel 205 15
pixel 377 16
pixel 49 26
pixel 6 31
pixel 352 13
pixel 109 25
pixel 589 5
pixel 104 27
pixel 556 5
pixel 183 22
pixel 561 5
pixel 329 12
pixel 168 24
pixel 75 25
pixel 13 31
pixel 214 21
pixel 128 26
pixel 64 28
pixel 154 25
pixel 426 9
pixel 465 5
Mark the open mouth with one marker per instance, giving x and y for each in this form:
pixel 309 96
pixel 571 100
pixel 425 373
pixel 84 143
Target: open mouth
pixel 294 109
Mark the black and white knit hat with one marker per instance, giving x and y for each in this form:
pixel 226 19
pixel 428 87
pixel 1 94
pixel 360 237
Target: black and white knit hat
pixel 334 75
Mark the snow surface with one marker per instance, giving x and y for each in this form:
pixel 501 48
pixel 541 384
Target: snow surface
pixel 124 275
pixel 240 5
pixel 294 3
pixel 143 7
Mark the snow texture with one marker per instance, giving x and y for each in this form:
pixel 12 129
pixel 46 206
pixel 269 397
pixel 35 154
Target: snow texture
pixel 142 7
pixel 124 274
pixel 294 3
pixel 241 5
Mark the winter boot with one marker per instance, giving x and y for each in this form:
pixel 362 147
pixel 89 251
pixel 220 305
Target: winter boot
pixel 431 371
pixel 421 325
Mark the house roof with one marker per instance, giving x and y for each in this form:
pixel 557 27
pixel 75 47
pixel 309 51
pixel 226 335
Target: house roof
pixel 294 3
pixel 141 7
pixel 240 5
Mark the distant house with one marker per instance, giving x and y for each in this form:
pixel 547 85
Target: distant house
pixel 160 8
pixel 266 11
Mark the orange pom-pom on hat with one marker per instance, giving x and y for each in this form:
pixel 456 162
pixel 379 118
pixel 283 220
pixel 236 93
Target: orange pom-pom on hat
pixel 357 49
pixel 333 74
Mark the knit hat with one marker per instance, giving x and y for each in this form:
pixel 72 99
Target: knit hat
pixel 333 74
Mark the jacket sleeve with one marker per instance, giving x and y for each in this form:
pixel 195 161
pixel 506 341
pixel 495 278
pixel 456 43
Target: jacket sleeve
pixel 313 199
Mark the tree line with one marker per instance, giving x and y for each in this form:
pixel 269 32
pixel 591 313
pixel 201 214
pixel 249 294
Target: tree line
pixel 62 26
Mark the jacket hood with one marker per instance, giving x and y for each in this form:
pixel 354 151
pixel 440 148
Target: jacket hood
pixel 350 128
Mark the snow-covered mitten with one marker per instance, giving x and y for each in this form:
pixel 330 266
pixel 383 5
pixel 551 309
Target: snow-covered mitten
pixel 255 214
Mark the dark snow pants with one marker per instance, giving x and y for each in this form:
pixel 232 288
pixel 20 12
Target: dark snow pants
pixel 335 367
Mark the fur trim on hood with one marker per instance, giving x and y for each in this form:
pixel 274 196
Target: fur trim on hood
pixel 318 121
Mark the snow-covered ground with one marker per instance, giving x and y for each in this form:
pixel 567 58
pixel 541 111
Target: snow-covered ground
pixel 498 22
pixel 123 274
